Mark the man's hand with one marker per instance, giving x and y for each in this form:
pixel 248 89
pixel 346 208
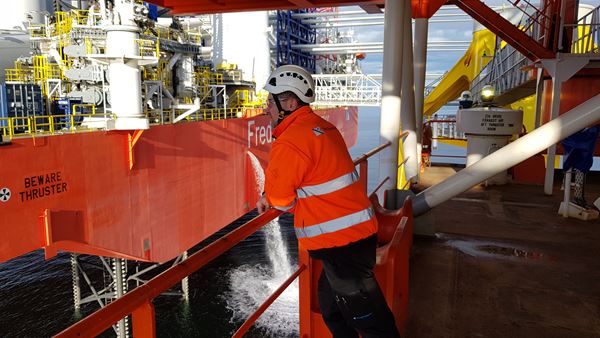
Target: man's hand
pixel 262 205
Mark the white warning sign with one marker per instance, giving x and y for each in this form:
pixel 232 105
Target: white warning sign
pixel 4 194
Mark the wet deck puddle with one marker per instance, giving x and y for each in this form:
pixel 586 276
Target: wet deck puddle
pixel 487 249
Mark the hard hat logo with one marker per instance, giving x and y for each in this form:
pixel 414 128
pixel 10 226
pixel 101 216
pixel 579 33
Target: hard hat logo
pixel 294 79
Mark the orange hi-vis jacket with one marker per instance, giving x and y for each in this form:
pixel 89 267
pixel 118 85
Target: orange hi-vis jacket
pixel 311 174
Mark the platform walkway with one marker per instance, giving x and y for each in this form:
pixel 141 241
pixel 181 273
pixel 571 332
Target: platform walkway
pixel 505 264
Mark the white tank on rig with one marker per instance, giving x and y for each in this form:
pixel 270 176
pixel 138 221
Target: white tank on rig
pixel 243 44
pixel 15 17
pixel 488 129
pixel 124 61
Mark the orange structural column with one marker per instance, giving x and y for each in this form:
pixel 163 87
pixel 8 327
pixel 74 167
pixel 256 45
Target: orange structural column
pixel 581 87
pixel 575 91
pixel 143 321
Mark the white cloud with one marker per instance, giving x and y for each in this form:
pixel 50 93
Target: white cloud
pixel 372 64
pixel 369 35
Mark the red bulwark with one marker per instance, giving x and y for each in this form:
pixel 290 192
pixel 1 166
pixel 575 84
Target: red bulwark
pixel 345 119
pixel 77 192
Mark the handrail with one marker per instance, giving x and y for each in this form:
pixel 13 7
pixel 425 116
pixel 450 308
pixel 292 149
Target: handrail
pixel 139 298
pixel 372 152
pixel 440 121
pixel 362 163
pixel 379 186
pixel 586 33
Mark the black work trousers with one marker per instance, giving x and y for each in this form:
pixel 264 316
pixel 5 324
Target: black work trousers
pixel 350 299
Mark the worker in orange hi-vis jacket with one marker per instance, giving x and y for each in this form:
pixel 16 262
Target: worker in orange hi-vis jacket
pixel 311 175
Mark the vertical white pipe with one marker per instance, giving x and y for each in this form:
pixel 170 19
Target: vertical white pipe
pixel 119 292
pixel 389 128
pixel 567 195
pixel 125 79
pixel 539 95
pixel 125 85
pixel 549 179
pixel 552 132
pixel 14 14
pixel 407 112
pixel 76 284
pixel 420 60
pixel 185 283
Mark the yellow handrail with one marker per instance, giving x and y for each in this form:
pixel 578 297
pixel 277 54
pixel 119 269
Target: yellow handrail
pixel 47 124
pixel 58 124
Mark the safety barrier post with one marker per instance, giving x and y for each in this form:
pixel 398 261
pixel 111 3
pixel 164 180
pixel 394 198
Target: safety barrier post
pixel 363 174
pixel 10 128
pixel 143 321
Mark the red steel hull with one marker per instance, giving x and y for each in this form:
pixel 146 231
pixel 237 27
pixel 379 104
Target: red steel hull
pixel 78 193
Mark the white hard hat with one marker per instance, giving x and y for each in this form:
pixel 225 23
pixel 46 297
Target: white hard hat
pixel 292 78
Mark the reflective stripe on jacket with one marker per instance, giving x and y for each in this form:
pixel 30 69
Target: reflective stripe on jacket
pixel 311 174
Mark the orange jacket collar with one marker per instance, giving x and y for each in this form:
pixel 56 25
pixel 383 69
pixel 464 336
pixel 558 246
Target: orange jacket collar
pixel 282 126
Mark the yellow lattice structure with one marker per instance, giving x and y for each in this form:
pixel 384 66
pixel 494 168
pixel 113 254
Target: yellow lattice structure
pixel 63 23
pixel 211 114
pixel 148 48
pixel 80 16
pixel 43 70
pixel 164 73
pixel 38 31
pixel 244 98
pixel 22 73
pixel 49 124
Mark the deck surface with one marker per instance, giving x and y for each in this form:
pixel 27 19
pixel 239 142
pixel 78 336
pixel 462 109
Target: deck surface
pixel 503 263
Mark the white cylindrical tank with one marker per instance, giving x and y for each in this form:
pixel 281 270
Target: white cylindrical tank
pixel 185 74
pixel 244 44
pixel 16 13
pixel 125 78
pixel 14 38
pixel 13 45
pixel 488 129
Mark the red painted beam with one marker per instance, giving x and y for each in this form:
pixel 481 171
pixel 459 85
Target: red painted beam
pixel 425 8
pixel 505 30
pixel 222 6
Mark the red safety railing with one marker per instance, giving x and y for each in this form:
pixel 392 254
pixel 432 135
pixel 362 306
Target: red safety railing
pixel 363 163
pixel 138 302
